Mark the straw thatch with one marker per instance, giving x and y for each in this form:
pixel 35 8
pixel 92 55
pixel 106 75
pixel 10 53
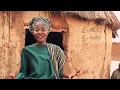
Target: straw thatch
pixel 100 17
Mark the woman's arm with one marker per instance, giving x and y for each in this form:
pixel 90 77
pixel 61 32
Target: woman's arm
pixel 22 71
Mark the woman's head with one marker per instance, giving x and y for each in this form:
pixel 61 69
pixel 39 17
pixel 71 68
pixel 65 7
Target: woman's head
pixel 40 28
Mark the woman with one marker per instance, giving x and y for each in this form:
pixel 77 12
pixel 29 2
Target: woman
pixel 41 60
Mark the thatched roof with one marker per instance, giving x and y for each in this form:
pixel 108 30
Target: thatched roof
pixel 100 17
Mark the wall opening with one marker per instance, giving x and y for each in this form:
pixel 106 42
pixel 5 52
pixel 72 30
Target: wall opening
pixel 29 38
pixel 53 37
pixel 56 38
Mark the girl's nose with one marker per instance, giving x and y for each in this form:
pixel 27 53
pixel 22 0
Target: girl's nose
pixel 39 31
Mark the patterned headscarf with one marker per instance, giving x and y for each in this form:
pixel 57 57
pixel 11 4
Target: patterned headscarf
pixel 39 19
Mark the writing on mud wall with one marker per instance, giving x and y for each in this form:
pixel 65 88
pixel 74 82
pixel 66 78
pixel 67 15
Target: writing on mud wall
pixel 94 33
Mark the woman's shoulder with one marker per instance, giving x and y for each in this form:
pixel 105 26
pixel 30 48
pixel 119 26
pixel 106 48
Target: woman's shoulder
pixel 53 45
pixel 115 71
pixel 27 47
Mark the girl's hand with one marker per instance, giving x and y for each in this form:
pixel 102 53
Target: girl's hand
pixel 75 73
pixel 11 76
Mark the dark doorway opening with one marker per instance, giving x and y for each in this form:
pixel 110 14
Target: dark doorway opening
pixel 29 38
pixel 56 38
pixel 53 37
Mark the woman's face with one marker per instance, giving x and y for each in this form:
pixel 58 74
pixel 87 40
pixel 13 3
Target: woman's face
pixel 40 32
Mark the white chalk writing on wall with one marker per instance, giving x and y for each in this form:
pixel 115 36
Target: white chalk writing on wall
pixel 96 36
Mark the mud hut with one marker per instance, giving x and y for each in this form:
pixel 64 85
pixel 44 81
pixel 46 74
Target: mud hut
pixel 87 40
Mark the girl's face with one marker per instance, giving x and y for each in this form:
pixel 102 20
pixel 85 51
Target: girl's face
pixel 40 32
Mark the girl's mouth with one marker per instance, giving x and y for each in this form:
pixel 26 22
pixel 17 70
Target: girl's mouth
pixel 39 37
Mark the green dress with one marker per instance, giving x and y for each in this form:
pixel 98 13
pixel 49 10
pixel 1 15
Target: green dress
pixel 36 63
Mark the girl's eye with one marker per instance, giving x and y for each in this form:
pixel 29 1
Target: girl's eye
pixel 43 29
pixel 36 30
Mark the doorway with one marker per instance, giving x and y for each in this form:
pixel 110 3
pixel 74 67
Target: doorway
pixel 55 38
pixel 29 38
